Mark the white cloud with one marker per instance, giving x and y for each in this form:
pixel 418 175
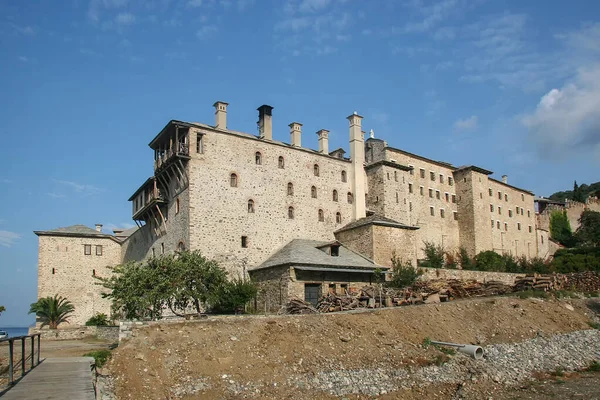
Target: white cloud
pixel 56 195
pixel 206 31
pixel 123 225
pixel 23 59
pixel 7 239
pixel 124 19
pixel 80 188
pixel 313 5
pixel 567 119
pixel 467 124
pixel 194 3
pixel 432 15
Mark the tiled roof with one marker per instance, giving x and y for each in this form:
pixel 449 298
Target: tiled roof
pixel 307 252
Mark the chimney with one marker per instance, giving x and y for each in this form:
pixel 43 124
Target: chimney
pixel 357 171
pixel 98 227
pixel 296 134
pixel 505 179
pixel 323 135
pixel 220 114
pixel 265 122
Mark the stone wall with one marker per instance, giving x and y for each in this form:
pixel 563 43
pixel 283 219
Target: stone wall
pixel 108 333
pixel 479 276
pixel 64 269
pixel 359 240
pixel 272 288
pixel 389 241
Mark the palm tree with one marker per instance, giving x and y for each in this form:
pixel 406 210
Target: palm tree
pixel 52 310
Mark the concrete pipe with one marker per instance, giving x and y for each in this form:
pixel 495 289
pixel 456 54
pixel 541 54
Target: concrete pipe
pixel 474 351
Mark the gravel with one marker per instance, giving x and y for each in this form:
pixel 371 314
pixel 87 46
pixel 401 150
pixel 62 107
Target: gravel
pixel 508 364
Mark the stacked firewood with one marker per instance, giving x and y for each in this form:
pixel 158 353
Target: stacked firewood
pixel 537 282
pixel 588 281
pixel 297 306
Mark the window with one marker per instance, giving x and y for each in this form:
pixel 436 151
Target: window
pixel 454 198
pixel 388 176
pixel 397 197
pixel 98 250
pixel 455 215
pixel 290 189
pixel 338 218
pixel 432 176
pixel 199 143
pixel 245 242
pixel 431 211
pixel 431 193
pixel 421 190
pixel 396 176
pixel 522 210
pixel 505 226
pixel 499 210
pixel 350 198
pixel 422 172
pixel 442 213
pixel 177 206
pixel 518 226
pixel 447 197
pixel 441 178
pixel 492 224
pixel 510 213
pixel 498 224
pixel 321 216
pixel 450 181
pixel 335 195
pixel 491 207
pixel 528 214
pixel 87 249
pixel 93 272
pixel 410 206
pixel 410 190
pixel 313 192
pixel 530 230
pixel 505 197
pixel 291 212
pixel 316 169
pixel 412 170
pixel 541 237
pixel 517 210
pixel 490 191
pixel 281 162
pixel 500 195
pixel 437 194
pixel 523 198
pixel 181 246
pixel 344 176
pixel 153 252
pixel 53 271
pixel 162 248
pixel 258 158
pixel 251 206
pixel 233 181
pixel 335 250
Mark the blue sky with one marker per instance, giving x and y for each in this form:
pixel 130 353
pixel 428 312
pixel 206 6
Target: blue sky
pixel 511 86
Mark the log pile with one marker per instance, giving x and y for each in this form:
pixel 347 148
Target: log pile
pixel 297 306
pixel 588 281
pixel 537 282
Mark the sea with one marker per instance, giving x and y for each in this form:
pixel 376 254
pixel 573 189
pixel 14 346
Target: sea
pixel 13 332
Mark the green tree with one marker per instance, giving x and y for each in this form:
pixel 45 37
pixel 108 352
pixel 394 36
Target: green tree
pixel 2 309
pixel 233 295
pixel 52 310
pixel 465 261
pixel 403 273
pixel 588 233
pixel 489 261
pixel 560 228
pixel 434 255
pixel 99 319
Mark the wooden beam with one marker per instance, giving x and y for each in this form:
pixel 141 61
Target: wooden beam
pixel 163 217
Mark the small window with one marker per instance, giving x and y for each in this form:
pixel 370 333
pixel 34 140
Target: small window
pixel 528 214
pixel 162 248
pixel 290 189
pixel 447 195
pixel 432 176
pixel 396 176
pixel 410 206
pixel 498 224
pixel 499 210
pixel 53 271
pixel 455 215
pixel 491 207
pixel 518 226
pixel 500 195
pixel 335 250
pixel 522 210
pixel 541 237
pixel 98 250
pixel 450 181
pixel 316 169
pixel 397 197
pixel 181 246
pixel 87 249
pixel 251 206
pixel 410 189
pixel 412 170
pixel 491 192
pixel 492 224
pixel 438 195
pixel 421 190
pixel 530 230
pixel 506 226
pixel 153 252
pixel 441 178
pixel 510 213
pixel 313 192
pixel 258 158
pixel 422 172
pixel 199 143
pixel 523 198
pixel 431 193
pixel 350 198
pixel 281 162
pixel 244 241
pixel 344 176
pixel 335 195
pixel 291 212
pixel 93 272
pixel 388 176
pixel 338 218
pixel 431 211
pixel 454 198
pixel 233 181
pixel 177 206
pixel 442 213
pixel 321 216
pixel 505 197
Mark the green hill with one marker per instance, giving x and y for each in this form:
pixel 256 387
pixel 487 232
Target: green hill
pixel 582 193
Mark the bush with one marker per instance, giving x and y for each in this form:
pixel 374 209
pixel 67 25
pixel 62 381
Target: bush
pixel 576 260
pixel 560 228
pixel 403 274
pixel 99 319
pixel 434 256
pixel 232 296
pixel 451 261
pixel 100 357
pixel 465 261
pixel 489 261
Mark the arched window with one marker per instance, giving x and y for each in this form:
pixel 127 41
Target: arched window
pixel 344 177
pixel 321 216
pixel 316 169
pixel 313 192
pixel 250 206
pixel 335 195
pixel 281 162
pixel 338 218
pixel 351 198
pixel 177 206
pixel 290 189
pixel 258 158
pixel 181 246
pixel 233 181
pixel 291 212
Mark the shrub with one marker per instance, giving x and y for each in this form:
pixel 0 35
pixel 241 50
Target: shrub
pixel 465 261
pixel 451 261
pixel 403 274
pixel 232 296
pixel 434 255
pixel 99 319
pixel 560 228
pixel 100 357
pixel 489 261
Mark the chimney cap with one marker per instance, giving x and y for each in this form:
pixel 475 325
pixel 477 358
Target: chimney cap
pixel 220 102
pixel 354 114
pixel 294 124
pixel 322 131
pixel 265 109
pixel 99 227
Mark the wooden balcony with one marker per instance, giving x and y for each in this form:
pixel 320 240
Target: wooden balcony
pixel 166 157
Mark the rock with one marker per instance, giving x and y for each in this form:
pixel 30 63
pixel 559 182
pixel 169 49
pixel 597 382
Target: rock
pixel 233 338
pixel 569 307
pixel 433 298
pixel 344 338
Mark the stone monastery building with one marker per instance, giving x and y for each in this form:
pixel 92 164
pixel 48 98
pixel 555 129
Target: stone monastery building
pixel 301 221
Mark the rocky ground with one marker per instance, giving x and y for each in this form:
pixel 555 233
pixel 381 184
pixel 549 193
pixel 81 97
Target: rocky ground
pixel 377 354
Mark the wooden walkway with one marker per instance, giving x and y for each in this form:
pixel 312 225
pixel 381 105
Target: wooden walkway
pixel 56 378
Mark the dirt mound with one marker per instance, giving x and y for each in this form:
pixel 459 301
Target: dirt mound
pixel 254 357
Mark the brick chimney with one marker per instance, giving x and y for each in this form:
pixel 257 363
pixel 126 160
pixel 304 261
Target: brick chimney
pixel 505 179
pixel 323 135
pixel 296 134
pixel 220 114
pixel 98 227
pixel 265 122
pixel 357 171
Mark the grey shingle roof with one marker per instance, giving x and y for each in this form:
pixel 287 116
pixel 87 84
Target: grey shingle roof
pixel 375 220
pixel 307 252
pixel 74 230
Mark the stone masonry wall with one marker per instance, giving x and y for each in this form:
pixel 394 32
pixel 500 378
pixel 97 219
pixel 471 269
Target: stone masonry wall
pixel 387 241
pixel 273 288
pixel 64 269
pixel 108 333
pixel 359 240
pixel 479 276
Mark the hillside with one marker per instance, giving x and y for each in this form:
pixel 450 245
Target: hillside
pixel 584 189
pixel 376 354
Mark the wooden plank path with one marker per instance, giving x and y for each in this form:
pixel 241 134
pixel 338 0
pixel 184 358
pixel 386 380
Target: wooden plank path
pixel 56 378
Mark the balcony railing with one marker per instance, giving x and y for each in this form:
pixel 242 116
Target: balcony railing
pixel 180 149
